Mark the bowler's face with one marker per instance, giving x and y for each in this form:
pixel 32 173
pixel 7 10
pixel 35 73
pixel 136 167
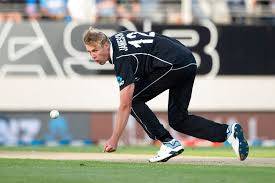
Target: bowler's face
pixel 100 54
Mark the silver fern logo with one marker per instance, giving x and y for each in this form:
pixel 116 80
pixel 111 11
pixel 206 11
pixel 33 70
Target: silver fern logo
pixel 120 80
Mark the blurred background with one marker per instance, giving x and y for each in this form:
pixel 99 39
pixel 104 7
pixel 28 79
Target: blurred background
pixel 44 66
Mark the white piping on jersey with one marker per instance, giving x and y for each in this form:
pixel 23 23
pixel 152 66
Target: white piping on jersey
pixel 134 55
pixel 145 127
pixel 144 54
pixel 171 69
pixel 153 82
pixel 184 66
pixel 137 63
pixel 151 56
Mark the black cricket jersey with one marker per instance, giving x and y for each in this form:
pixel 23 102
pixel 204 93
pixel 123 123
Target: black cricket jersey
pixel 137 54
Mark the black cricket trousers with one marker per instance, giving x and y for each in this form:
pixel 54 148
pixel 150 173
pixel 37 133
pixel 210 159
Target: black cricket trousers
pixel 179 81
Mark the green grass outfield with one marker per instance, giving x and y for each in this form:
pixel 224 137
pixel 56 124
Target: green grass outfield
pixel 69 171
pixel 44 171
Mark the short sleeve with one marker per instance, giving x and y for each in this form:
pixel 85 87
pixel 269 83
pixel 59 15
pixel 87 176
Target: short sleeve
pixel 124 72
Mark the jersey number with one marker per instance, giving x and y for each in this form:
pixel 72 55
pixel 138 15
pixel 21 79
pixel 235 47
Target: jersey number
pixel 136 43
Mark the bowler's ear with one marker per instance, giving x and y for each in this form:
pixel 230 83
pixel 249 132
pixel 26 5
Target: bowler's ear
pixel 107 45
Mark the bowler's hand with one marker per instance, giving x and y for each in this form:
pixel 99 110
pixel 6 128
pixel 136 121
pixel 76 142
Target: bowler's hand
pixel 110 145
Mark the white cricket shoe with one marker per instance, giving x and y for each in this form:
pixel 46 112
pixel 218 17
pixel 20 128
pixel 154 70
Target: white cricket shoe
pixel 237 140
pixel 167 151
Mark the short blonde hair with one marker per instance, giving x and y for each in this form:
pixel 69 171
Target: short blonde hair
pixel 94 37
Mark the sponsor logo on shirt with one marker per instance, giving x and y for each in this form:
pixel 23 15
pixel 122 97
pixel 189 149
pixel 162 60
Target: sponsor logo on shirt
pixel 120 80
pixel 121 42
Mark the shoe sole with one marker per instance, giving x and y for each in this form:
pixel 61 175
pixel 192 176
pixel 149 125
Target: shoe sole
pixel 173 155
pixel 243 145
